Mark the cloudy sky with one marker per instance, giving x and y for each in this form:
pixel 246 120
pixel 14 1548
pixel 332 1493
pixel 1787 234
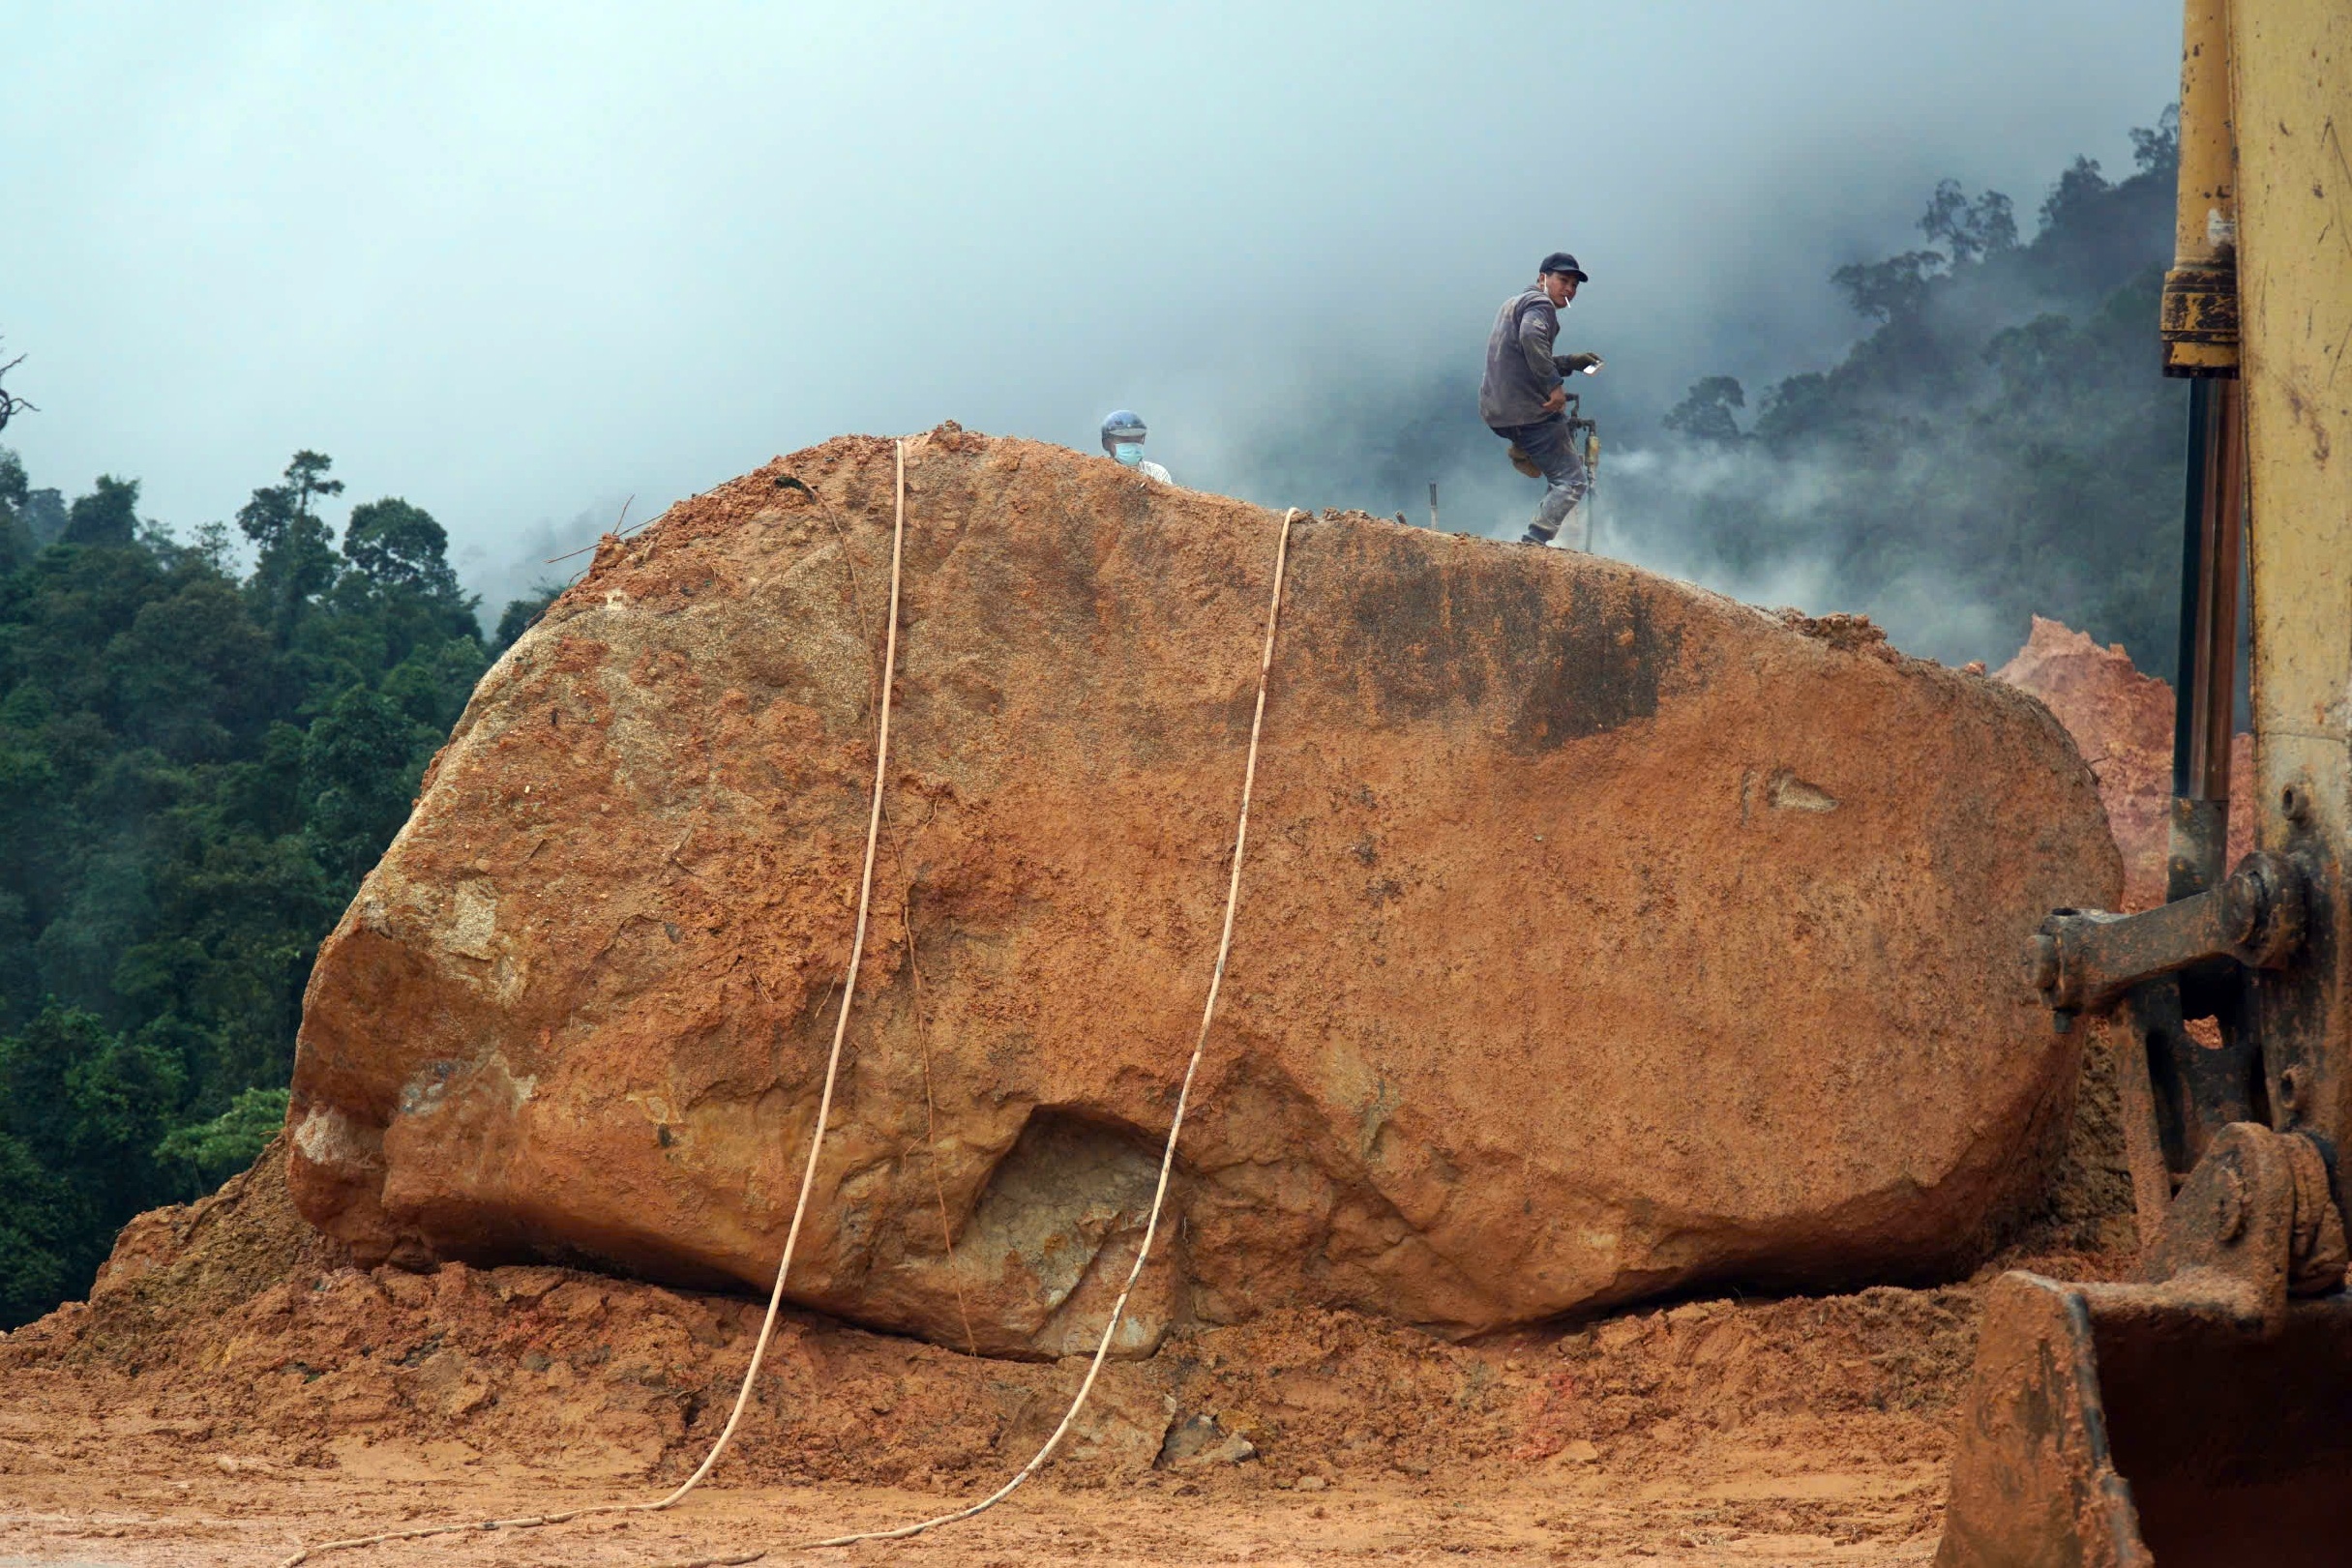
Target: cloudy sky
pixel 518 263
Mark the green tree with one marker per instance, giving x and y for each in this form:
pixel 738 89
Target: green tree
pixel 522 614
pixel 297 550
pixel 353 767
pixel 16 540
pixel 400 548
pixel 42 1221
pixel 195 771
pixel 107 516
pixel 191 675
pixel 1970 231
pixel 43 513
pixel 205 1154
pixel 1889 290
pixel 85 1109
pixel 1705 412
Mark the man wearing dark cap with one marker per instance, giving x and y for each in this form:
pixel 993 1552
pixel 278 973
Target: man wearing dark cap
pixel 1525 390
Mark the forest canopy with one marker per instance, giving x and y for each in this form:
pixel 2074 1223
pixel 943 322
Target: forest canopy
pixel 198 764
pixel 2000 443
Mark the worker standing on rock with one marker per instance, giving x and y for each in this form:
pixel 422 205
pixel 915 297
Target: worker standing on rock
pixel 1525 392
pixel 1123 438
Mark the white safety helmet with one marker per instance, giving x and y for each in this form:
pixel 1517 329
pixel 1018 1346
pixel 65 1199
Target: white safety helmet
pixel 1122 426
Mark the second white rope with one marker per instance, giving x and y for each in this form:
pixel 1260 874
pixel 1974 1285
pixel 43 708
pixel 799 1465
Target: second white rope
pixel 1176 1129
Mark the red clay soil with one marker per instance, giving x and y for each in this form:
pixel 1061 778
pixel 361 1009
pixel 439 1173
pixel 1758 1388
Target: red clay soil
pixel 249 1390
pixel 236 1387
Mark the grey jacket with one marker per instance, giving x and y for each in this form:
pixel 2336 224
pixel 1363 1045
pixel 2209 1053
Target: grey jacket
pixel 1519 370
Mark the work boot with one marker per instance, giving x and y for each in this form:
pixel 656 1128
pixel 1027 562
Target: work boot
pixel 1531 537
pixel 1523 462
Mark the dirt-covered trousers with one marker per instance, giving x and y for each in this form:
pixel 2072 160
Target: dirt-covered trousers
pixel 1563 470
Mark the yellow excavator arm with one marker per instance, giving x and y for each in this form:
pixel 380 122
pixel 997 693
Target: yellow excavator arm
pixel 2203 1413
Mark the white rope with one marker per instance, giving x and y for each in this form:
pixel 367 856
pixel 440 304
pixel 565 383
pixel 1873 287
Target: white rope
pixel 807 1174
pixel 1159 1195
pixel 1175 1128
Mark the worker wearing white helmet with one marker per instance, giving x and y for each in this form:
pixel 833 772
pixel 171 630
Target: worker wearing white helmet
pixel 1123 438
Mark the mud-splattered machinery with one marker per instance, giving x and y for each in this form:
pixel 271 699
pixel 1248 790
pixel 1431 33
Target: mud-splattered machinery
pixel 2203 1413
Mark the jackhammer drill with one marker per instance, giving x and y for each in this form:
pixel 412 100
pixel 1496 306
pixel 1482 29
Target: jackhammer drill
pixel 1584 439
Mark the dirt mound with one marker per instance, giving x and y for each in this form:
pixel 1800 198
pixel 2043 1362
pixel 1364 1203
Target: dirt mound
pixel 1600 937
pixel 342 1400
pixel 180 1263
pixel 600 1377
pixel 2122 722
pixel 1795 1430
pixel 234 1386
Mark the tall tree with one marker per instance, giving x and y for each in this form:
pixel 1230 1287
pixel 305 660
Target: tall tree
pixel 107 516
pixel 400 547
pixel 297 550
pixel 351 764
pixel 16 540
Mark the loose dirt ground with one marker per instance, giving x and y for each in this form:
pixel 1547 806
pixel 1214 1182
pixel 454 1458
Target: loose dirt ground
pixel 163 1502
pixel 1798 1432
pixel 234 1389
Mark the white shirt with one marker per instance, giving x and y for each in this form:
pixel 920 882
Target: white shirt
pixel 1152 470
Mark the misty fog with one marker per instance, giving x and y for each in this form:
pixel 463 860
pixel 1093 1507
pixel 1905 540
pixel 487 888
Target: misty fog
pixel 521 267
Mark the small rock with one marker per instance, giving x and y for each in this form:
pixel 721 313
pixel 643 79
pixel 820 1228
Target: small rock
pixel 1124 1424
pixel 406 1289
pixel 1198 1440
pixel 1617 1335
pixel 1312 1483
pixel 576 1300
pixel 528 1285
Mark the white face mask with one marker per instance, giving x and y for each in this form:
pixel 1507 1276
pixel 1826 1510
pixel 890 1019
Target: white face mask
pixel 1129 453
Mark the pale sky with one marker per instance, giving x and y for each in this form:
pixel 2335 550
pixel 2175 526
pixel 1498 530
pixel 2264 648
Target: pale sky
pixel 517 263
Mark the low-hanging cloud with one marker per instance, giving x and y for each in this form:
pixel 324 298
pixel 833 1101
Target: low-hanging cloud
pixel 519 264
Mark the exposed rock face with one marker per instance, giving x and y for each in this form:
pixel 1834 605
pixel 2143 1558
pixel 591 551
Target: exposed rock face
pixel 1598 936
pixel 2122 721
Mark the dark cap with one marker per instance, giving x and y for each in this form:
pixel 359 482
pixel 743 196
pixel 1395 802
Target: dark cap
pixel 1562 261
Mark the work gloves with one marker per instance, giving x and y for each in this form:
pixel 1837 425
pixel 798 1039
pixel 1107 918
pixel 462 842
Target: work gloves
pixel 1572 363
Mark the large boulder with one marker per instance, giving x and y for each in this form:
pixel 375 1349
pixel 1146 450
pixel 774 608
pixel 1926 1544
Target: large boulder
pixel 1599 936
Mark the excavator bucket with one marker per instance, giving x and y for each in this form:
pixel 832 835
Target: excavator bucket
pixel 2123 1427
pixel 2204 1416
